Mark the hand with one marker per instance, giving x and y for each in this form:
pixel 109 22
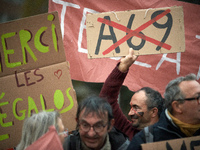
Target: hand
pixel 127 61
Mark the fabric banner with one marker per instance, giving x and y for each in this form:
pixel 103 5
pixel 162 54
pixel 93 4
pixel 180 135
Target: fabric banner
pixel 150 70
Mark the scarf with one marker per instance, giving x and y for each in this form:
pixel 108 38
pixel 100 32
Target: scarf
pixel 187 129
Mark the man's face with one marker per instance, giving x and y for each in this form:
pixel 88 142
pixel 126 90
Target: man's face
pixel 190 109
pixel 140 115
pixel 93 139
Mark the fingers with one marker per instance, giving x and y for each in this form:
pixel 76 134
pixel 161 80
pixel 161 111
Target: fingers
pixel 127 61
pixel 131 53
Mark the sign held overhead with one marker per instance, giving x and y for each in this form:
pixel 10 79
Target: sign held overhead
pixel 147 31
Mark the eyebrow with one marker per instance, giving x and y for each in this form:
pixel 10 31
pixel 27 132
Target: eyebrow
pixel 82 120
pixel 134 105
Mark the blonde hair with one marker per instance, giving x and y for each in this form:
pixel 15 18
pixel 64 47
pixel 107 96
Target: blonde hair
pixel 37 125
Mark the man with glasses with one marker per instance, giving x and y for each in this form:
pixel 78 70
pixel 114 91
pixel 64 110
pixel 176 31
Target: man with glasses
pixel 146 103
pixel 95 128
pixel 182 115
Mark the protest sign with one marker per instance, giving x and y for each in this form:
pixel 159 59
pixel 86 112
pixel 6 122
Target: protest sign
pixel 147 31
pixel 154 71
pixel 191 143
pixel 34 75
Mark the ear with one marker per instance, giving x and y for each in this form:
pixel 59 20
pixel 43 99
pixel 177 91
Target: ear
pixel 112 122
pixel 154 112
pixel 176 106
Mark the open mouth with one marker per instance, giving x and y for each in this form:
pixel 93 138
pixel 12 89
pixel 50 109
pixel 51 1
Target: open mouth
pixel 91 140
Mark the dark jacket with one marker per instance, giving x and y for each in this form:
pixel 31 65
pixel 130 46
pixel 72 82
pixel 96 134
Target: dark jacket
pixel 117 140
pixel 163 130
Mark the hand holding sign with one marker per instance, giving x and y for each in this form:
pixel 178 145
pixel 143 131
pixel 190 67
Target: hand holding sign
pixel 127 61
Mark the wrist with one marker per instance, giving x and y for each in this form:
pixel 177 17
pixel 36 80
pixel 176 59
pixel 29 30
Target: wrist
pixel 123 68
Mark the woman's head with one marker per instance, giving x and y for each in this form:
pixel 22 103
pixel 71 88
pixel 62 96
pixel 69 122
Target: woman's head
pixel 37 125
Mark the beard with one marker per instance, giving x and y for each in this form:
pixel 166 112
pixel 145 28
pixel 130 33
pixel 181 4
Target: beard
pixel 134 116
pixel 135 124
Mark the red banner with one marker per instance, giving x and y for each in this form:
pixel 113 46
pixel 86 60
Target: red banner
pixel 151 70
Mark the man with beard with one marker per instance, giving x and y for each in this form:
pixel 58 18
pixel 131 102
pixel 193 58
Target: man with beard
pixel 95 128
pixel 146 104
pixel 180 119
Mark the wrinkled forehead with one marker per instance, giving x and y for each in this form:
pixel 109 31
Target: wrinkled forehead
pixel 190 88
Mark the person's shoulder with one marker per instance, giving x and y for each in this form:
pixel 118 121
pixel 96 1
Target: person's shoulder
pixel 136 141
pixel 74 136
pixel 71 140
pixel 117 133
pixel 118 139
pixel 142 135
pixel 139 135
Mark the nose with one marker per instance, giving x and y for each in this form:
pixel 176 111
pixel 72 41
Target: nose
pixel 91 132
pixel 131 112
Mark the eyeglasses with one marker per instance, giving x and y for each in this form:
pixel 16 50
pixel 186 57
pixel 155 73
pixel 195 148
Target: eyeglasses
pixel 193 98
pixel 98 127
pixel 64 132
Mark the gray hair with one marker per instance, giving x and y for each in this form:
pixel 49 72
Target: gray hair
pixel 154 99
pixel 37 125
pixel 173 91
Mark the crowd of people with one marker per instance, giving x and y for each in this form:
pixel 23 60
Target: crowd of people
pixel 101 124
